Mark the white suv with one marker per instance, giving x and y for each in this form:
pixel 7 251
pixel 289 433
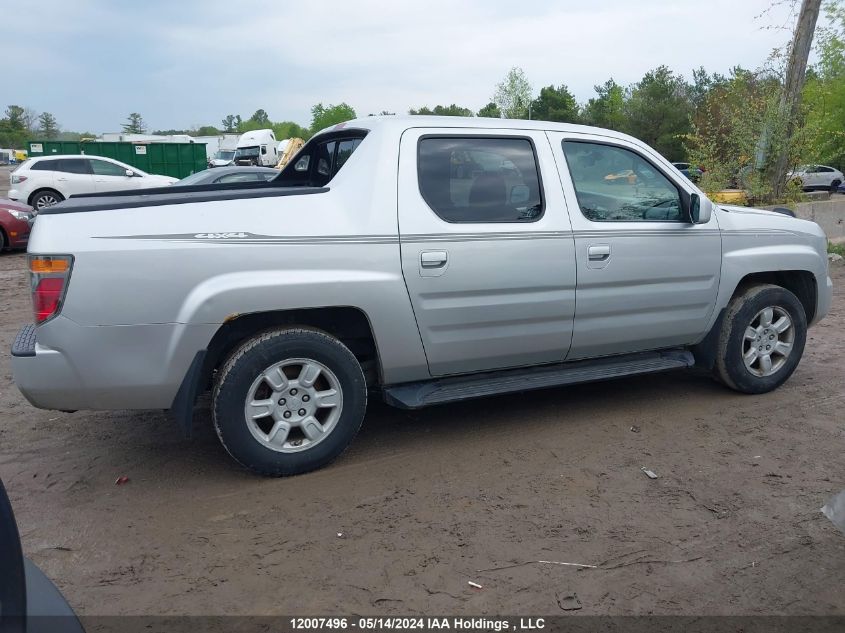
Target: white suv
pixel 817 177
pixel 44 181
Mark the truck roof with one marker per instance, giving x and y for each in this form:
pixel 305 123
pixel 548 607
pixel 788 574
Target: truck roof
pixel 400 123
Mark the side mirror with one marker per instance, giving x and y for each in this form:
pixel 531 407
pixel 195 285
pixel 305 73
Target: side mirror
pixel 129 173
pixel 700 209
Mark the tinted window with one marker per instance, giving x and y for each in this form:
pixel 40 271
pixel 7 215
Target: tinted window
pixel 614 184
pixel 74 166
pixel 474 179
pixel 320 160
pixel 45 165
pixel 825 170
pixel 344 151
pixel 105 168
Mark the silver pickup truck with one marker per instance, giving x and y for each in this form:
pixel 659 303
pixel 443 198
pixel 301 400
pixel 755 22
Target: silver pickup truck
pixel 422 260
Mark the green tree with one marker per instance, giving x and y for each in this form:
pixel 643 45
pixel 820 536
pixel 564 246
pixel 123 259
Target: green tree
pixel 513 94
pixel 261 118
pixel 555 104
pixel 206 130
pixel 326 116
pixel 727 128
pixel 289 129
pixel 135 124
pixel 491 110
pixel 16 117
pixel 658 112
pixel 48 127
pixel 231 122
pixel 607 109
pixel 439 110
pixel 824 93
pixel 13 129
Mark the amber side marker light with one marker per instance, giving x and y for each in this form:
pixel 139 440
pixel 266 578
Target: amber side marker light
pixel 47 265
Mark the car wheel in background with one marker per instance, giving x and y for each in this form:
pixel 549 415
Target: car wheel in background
pixel 289 401
pixel 835 185
pixel 46 198
pixel 761 339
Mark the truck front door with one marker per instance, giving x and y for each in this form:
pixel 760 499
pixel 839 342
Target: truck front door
pixel 487 250
pixel 647 276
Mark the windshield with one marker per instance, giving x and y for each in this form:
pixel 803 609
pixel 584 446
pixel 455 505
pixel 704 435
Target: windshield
pixel 246 152
pixel 227 154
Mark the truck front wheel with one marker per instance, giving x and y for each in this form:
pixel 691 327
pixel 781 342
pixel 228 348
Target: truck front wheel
pixel 761 339
pixel 289 401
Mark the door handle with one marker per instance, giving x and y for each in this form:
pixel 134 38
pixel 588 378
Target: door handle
pixel 599 252
pixel 433 259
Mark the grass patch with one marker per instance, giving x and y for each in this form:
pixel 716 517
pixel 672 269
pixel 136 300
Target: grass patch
pixel 839 249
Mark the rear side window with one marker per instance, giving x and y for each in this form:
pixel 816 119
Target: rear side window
pixel 480 179
pixel 105 168
pixel 320 159
pixel 74 166
pixel 614 184
pixel 43 165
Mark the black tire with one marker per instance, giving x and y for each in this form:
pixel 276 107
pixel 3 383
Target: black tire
pixel 835 185
pixel 730 368
pixel 4 241
pixel 248 362
pixel 41 195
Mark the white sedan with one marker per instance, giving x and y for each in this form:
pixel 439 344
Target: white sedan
pixel 46 180
pixel 817 177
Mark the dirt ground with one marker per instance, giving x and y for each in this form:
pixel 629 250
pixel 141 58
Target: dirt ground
pixel 424 500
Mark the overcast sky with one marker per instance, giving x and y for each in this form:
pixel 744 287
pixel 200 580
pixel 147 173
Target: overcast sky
pixel 184 63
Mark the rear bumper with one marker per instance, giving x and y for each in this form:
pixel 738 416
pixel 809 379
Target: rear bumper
pixel 63 365
pixel 43 375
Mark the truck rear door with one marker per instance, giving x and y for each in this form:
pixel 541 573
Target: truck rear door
pixel 486 246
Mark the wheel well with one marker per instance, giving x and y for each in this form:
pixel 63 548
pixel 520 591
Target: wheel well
pixel 349 325
pixel 4 239
pixel 801 283
pixel 41 190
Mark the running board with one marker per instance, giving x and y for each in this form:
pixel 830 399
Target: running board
pixel 413 395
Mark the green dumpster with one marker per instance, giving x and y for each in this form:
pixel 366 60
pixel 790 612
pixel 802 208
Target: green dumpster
pixel 167 159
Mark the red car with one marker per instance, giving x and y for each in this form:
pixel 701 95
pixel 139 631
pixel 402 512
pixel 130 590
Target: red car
pixel 15 222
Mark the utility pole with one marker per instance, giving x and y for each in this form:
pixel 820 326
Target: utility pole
pixel 790 101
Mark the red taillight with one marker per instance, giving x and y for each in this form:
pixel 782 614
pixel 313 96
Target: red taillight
pixel 46 297
pixel 49 275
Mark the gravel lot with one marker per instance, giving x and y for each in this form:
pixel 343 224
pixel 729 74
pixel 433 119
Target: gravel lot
pixel 423 500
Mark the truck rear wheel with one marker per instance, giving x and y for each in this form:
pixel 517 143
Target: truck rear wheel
pixel 289 401
pixel 761 340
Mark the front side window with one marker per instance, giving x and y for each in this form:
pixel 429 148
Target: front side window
pixel 478 179
pixel 105 168
pixel 74 166
pixel 614 184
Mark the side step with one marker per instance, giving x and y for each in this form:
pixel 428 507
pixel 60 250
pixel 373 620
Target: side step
pixel 414 395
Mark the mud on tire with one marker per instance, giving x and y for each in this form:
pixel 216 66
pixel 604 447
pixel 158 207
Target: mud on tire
pixel 288 401
pixel 750 334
